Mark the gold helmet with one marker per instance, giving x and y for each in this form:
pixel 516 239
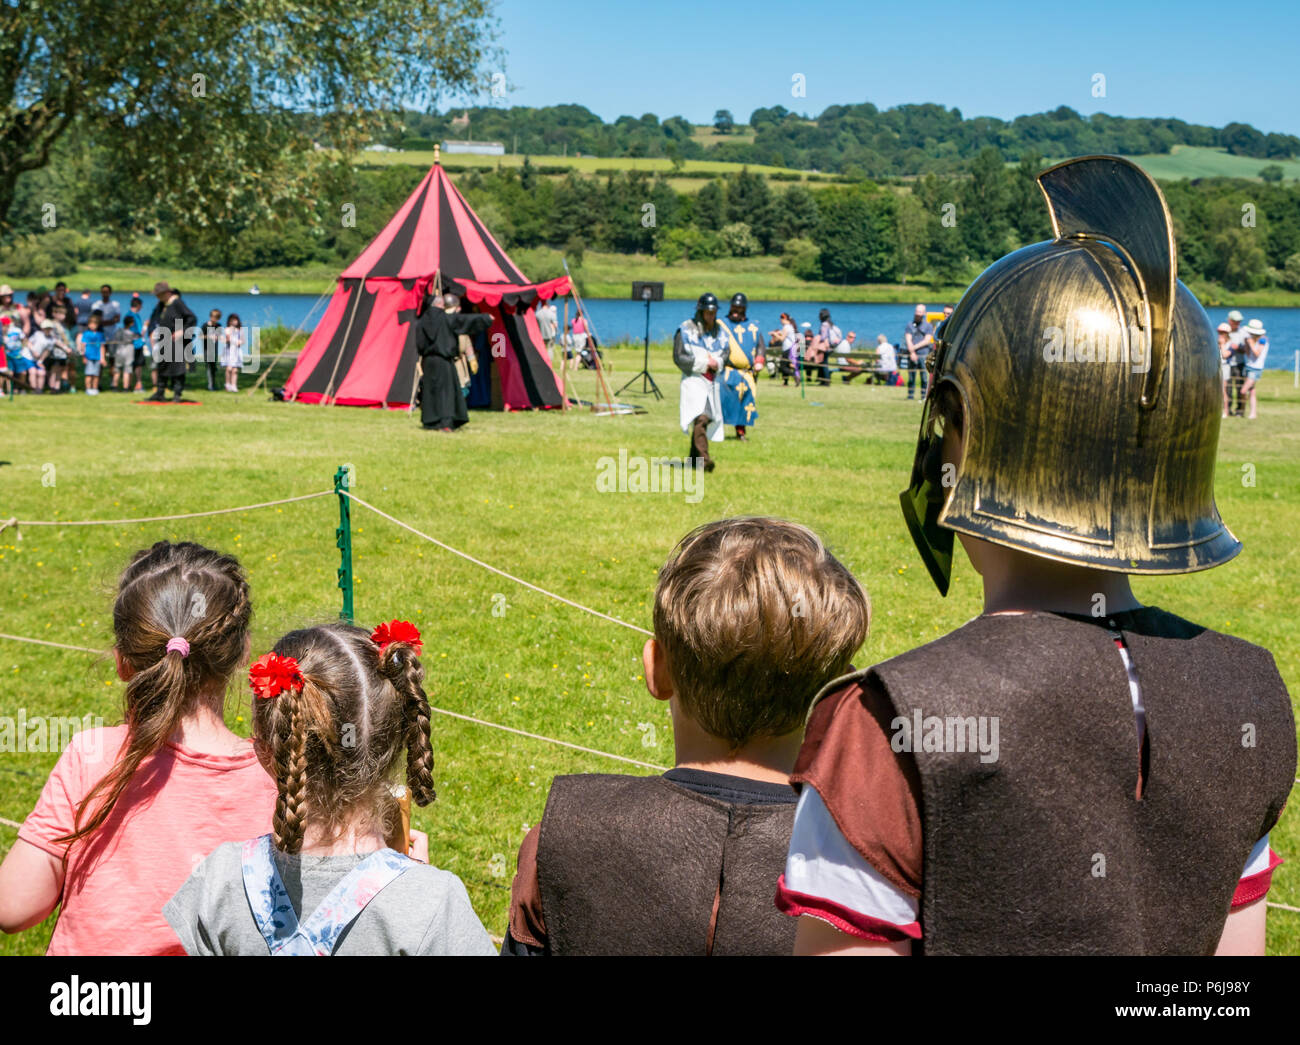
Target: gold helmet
pixel 1089 383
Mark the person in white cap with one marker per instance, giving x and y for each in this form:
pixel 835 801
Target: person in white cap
pixel 8 307
pixel 1225 361
pixel 1237 365
pixel 1256 354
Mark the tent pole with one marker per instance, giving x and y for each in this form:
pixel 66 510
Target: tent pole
pixel 356 301
pixel 600 374
pixel 595 353
pixel 559 346
pixel 281 354
pixel 564 362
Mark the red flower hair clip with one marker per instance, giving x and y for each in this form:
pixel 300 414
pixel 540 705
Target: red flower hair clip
pixel 273 675
pixel 397 631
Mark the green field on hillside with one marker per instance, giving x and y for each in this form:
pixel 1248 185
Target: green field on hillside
pixel 519 492
pixel 582 164
pixel 705 135
pixel 1191 161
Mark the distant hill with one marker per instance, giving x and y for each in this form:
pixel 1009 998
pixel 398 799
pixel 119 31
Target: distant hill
pixel 859 140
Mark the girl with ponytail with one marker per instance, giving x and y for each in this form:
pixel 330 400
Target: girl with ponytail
pixel 335 708
pixel 130 810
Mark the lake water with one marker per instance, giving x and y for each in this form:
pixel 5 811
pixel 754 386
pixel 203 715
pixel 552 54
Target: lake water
pixel 620 321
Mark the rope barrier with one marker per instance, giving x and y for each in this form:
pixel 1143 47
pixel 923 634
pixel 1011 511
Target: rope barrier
pixel 56 645
pixel 329 493
pixel 424 536
pixel 440 711
pixel 163 518
pixel 550 740
pixel 493 569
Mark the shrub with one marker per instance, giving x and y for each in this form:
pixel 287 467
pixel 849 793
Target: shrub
pixel 739 240
pixel 1289 275
pixel 54 253
pixel 802 258
pixel 574 249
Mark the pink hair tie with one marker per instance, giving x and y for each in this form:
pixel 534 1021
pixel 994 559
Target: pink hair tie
pixel 179 645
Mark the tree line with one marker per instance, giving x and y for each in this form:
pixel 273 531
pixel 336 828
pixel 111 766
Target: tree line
pixel 938 229
pixel 860 139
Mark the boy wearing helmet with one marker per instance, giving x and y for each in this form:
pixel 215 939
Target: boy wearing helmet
pixel 699 347
pixel 1071 771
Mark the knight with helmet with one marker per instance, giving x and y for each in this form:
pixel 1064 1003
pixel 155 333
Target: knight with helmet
pixel 699 350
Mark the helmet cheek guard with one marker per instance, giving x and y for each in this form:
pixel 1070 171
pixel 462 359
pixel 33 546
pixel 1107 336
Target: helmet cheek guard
pixel 926 496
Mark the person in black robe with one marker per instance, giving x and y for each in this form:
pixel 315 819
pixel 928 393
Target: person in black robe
pixel 173 326
pixel 442 403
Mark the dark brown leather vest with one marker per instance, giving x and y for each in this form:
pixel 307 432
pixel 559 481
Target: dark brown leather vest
pixel 1046 850
pixel 635 865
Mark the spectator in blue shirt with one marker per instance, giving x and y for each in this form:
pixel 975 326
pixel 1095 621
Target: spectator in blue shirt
pixel 91 343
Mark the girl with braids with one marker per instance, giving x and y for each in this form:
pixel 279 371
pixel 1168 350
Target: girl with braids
pixel 334 707
pixel 129 810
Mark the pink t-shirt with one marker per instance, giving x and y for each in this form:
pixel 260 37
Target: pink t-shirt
pixel 180 806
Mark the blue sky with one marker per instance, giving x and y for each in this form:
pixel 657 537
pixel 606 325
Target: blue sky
pixel 1202 62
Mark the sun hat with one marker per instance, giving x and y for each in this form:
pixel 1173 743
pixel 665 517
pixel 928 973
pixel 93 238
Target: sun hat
pixel 6 289
pixel 1255 328
pixel 1223 328
pixel 1234 316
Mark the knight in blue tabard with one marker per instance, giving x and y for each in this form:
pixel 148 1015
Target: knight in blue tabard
pixel 737 382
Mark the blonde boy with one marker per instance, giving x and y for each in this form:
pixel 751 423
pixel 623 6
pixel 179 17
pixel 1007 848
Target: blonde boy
pixel 752 617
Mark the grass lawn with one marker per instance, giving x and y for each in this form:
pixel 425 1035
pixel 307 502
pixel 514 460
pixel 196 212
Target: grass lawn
pixel 519 491
pixel 603 275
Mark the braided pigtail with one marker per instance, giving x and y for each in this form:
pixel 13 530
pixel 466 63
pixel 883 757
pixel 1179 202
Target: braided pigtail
pixel 288 741
pixel 399 664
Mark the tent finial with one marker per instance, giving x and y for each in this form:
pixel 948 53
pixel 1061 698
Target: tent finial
pixel 437 153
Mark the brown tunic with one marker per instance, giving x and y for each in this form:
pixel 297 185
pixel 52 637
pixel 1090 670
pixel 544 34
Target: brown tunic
pixel 1048 849
pixel 641 864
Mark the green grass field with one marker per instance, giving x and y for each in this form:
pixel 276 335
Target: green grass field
pixel 608 275
pixel 603 275
pixel 1192 161
pixel 519 491
pixel 582 164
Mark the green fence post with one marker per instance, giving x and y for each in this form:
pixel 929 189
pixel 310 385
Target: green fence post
pixel 343 537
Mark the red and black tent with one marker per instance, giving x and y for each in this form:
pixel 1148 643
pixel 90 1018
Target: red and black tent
pixel 363 351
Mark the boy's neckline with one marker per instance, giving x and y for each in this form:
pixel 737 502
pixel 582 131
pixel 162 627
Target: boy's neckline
pixel 736 782
pixel 1105 619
